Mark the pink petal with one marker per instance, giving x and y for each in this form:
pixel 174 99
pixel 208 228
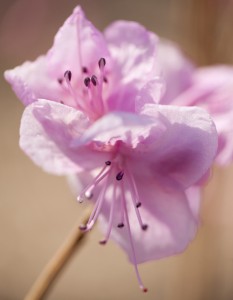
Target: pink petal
pixel 171 223
pixel 194 197
pixel 176 69
pixel 187 148
pixel 125 131
pixel 77 44
pixel 46 135
pixel 133 52
pixel 212 89
pixel 31 81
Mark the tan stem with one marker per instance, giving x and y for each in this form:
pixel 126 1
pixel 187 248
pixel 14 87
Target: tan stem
pixel 58 261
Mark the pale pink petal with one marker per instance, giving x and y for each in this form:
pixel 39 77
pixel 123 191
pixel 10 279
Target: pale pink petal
pixel 46 134
pixel 186 149
pixel 151 92
pixel 176 70
pixel 133 52
pixel 125 131
pixel 132 48
pixel 77 44
pixel 31 81
pixel 212 89
pixel 194 197
pixel 171 223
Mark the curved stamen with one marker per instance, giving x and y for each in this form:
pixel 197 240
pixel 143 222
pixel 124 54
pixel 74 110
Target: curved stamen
pixel 89 188
pixel 94 94
pixel 94 80
pixel 135 199
pixel 110 221
pixel 102 78
pixel 122 213
pixel 99 203
pixel 68 77
pixel 142 287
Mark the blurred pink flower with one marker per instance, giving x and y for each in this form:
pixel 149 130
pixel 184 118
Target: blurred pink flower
pixel 100 122
pixel 208 87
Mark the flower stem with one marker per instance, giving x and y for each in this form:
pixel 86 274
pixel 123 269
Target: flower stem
pixel 50 272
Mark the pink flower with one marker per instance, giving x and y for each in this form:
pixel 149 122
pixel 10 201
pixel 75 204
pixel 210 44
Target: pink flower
pixel 206 87
pixel 99 122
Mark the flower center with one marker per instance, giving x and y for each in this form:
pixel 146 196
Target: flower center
pixel 89 98
pixel 111 185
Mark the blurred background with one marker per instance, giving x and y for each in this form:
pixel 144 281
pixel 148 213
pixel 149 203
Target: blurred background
pixel 37 210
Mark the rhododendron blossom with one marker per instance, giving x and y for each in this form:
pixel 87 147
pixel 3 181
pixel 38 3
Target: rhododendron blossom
pixel 92 112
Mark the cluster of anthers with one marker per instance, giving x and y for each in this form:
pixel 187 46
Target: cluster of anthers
pixel 90 100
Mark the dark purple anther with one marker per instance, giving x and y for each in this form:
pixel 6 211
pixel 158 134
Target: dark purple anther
pixel 120 225
pixel 60 80
pixel 83 227
pixel 103 242
pixel 102 63
pixel 105 80
pixel 138 204
pixel 94 80
pixel 68 75
pixel 144 227
pixel 120 175
pixel 85 70
pixel 87 81
pixel 108 163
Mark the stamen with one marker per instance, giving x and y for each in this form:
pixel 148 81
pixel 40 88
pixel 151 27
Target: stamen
pixel 120 175
pixel 96 94
pixel 108 163
pixel 122 212
pixel 60 80
pixel 68 75
pixel 94 80
pixel 144 289
pixel 110 221
pixel 99 203
pixel 135 199
pixel 87 191
pixel 87 81
pixel 102 62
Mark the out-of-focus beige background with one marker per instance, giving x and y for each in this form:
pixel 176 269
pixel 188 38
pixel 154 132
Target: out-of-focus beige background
pixel 38 210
